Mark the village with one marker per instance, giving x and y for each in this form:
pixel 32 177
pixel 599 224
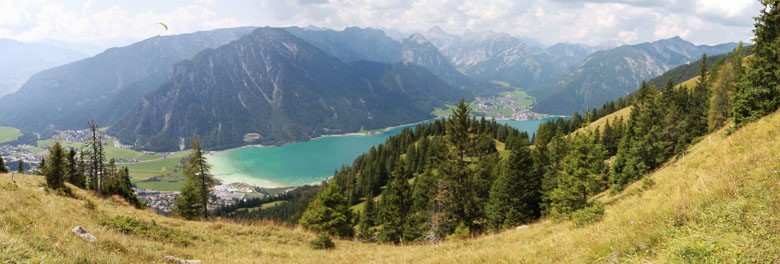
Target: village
pixel 162 202
pixel 504 107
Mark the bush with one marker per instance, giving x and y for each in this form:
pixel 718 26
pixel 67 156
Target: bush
pixel 322 241
pixel 461 232
pixel 89 204
pixel 588 215
pixel 132 226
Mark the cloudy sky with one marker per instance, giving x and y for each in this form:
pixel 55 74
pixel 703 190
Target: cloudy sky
pixel 112 23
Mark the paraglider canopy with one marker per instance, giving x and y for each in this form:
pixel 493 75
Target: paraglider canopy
pixel 163 25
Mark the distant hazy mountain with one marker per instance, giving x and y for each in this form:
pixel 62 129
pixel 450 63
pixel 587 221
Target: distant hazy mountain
pixel 20 60
pixel 352 44
pixel 418 50
pixel 609 74
pixel 491 56
pixel 529 70
pixel 273 87
pixel 104 86
pixel 355 44
pixel 475 47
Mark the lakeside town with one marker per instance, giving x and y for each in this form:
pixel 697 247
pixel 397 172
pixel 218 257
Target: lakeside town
pixel 221 195
pixel 509 106
pixel 158 201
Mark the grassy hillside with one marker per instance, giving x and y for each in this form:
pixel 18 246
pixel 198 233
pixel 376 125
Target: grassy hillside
pixel 9 134
pixel 720 202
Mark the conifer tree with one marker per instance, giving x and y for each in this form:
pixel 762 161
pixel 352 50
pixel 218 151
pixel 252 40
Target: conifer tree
pixel 367 220
pixel 3 169
pixel 639 150
pixel 20 166
pixel 515 195
pixel 199 168
pixel 394 206
pixel 721 90
pixel 459 135
pixel 41 166
pixel 188 203
pixel 75 177
pixel 583 174
pixel 96 158
pixel 329 213
pixel 759 93
pixel 55 171
pixel 700 100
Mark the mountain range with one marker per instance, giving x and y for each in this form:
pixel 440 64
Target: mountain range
pixel 275 85
pixel 271 87
pixel 20 60
pixel 105 86
pixel 609 74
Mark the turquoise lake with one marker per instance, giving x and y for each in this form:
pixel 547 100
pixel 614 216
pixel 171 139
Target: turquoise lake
pixel 307 162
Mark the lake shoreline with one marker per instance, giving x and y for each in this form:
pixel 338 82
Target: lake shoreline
pixel 298 163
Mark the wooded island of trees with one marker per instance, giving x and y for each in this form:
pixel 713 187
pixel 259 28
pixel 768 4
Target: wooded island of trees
pixel 86 168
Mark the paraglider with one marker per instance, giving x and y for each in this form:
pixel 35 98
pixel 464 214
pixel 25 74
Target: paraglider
pixel 163 25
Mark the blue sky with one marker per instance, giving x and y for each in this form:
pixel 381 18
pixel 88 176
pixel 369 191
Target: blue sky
pixel 112 23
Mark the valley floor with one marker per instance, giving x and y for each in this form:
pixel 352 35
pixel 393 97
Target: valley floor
pixel 720 202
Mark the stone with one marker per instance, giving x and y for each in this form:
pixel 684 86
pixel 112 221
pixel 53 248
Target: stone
pixel 82 233
pixel 180 260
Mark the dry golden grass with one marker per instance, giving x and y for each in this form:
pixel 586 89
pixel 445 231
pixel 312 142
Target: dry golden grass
pixel 719 203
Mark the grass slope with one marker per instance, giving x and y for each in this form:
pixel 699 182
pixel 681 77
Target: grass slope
pixel 718 203
pixel 8 134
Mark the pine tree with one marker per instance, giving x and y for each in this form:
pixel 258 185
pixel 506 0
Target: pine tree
pixel 188 203
pixel 96 158
pixel 722 88
pixel 583 174
pixel 55 171
pixel 74 176
pixel 458 131
pixel 759 94
pixel 20 166
pixel 329 213
pixel 459 135
pixel 640 149
pixel 367 220
pixel 199 168
pixel 41 166
pixel 516 193
pixel 109 184
pixel 125 187
pixel 394 206
pixel 3 168
pixel 700 100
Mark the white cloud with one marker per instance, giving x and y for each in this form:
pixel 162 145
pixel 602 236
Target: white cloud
pixel 588 21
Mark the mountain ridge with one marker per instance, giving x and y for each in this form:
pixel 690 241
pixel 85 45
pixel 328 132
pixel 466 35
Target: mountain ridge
pixel 275 85
pixel 21 60
pixel 101 86
pixel 609 74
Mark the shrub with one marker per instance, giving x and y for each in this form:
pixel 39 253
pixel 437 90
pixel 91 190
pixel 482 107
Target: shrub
pixel 461 232
pixel 132 226
pixel 588 215
pixel 322 241
pixel 89 204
